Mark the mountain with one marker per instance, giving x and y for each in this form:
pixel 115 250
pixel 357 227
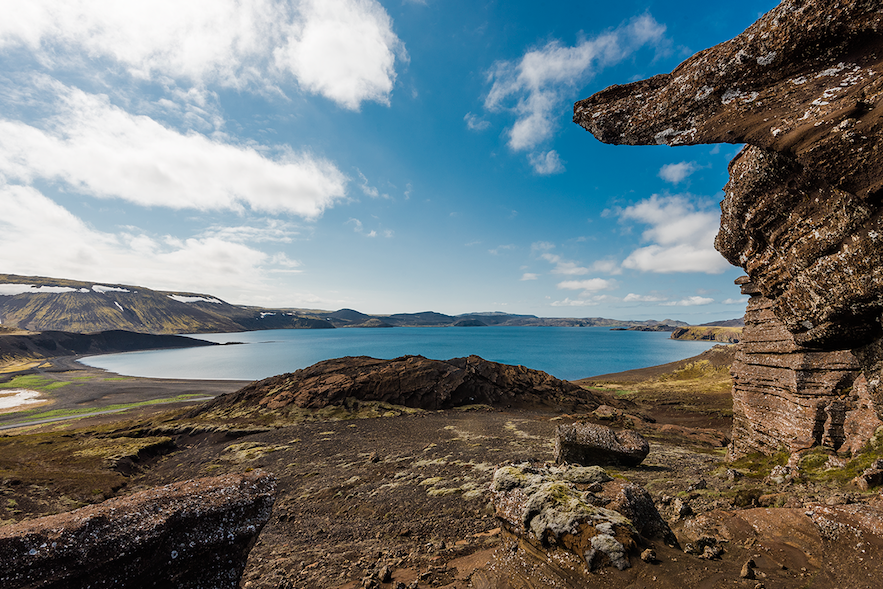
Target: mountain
pixel 49 304
pixel 38 303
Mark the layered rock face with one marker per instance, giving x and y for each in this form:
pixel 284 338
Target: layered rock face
pixel 195 534
pixel 803 213
pixel 410 381
pixel 789 396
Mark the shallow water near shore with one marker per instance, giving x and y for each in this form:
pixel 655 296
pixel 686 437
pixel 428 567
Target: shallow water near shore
pixel 565 352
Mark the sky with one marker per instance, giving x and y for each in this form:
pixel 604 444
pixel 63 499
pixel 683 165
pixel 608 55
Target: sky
pixel 386 156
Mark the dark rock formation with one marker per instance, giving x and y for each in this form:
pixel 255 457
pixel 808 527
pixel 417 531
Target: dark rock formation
pixel 49 344
pixel 548 511
pixel 410 381
pixel 194 534
pixel 789 396
pixel 588 444
pixel 803 213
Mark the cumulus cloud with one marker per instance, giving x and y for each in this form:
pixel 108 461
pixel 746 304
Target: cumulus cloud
pixel 529 276
pixel 565 267
pixel 344 50
pixel 475 123
pixel 682 236
pixel 693 301
pixel 607 266
pixel 70 247
pixel 547 163
pixel 103 151
pixel 677 173
pixel 588 286
pixel 738 301
pixel 636 298
pixel 536 87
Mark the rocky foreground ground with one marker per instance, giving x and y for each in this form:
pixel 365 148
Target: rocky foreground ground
pixel 377 494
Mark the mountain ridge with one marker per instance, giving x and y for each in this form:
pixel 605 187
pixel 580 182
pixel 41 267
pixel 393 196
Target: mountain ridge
pixel 37 303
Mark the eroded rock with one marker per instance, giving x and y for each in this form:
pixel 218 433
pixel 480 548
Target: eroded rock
pixel 588 443
pixel 195 534
pixel 803 213
pixel 583 529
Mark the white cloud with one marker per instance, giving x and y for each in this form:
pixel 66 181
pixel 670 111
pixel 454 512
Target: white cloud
pixel 683 236
pixel 607 266
pixel 738 301
pixel 501 248
pixel 541 246
pixel 546 163
pixel 101 150
pixel 581 302
pixel 693 301
pixel 540 82
pixel 475 123
pixel 677 173
pixel 636 298
pixel 589 285
pixel 565 267
pixel 369 190
pixel 48 240
pixel 344 50
pixel 529 276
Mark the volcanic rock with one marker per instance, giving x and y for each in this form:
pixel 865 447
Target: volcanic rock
pixel 579 530
pixel 789 396
pixel 803 213
pixel 410 381
pixel 194 534
pixel 587 444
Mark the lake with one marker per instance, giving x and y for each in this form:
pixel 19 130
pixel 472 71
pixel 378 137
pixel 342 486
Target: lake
pixel 569 353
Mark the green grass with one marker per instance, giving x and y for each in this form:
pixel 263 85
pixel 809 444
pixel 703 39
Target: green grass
pixel 32 416
pixel 33 381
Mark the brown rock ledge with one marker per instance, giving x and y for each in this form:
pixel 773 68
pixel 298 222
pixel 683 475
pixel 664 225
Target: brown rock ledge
pixel 194 534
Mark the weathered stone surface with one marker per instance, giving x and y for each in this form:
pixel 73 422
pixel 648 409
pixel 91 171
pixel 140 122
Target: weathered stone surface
pixel 587 444
pixel 803 213
pixel 787 396
pixel 411 381
pixel 579 529
pixel 194 534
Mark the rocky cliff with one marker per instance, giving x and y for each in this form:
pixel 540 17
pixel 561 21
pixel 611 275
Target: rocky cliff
pixel 803 213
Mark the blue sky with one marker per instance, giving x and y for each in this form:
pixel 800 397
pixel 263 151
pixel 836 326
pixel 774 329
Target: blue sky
pixel 393 156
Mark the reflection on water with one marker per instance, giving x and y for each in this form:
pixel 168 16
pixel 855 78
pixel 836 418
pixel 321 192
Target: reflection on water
pixel 565 352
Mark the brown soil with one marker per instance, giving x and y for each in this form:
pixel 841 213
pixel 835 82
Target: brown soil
pixel 408 491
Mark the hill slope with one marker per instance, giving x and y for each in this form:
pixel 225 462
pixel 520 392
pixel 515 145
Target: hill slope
pixel 49 304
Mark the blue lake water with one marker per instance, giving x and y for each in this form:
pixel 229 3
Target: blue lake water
pixel 565 352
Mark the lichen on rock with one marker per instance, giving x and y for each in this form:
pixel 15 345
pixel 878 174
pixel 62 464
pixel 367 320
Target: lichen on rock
pixel 546 506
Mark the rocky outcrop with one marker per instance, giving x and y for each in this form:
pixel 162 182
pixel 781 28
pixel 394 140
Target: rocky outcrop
pixel 803 213
pixel 194 534
pixel 577 517
pixel 410 381
pixel 590 444
pixel 787 396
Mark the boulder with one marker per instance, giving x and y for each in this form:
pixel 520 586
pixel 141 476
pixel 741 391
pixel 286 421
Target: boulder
pixel 194 534
pixel 582 530
pixel 803 212
pixel 410 381
pixel 587 444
